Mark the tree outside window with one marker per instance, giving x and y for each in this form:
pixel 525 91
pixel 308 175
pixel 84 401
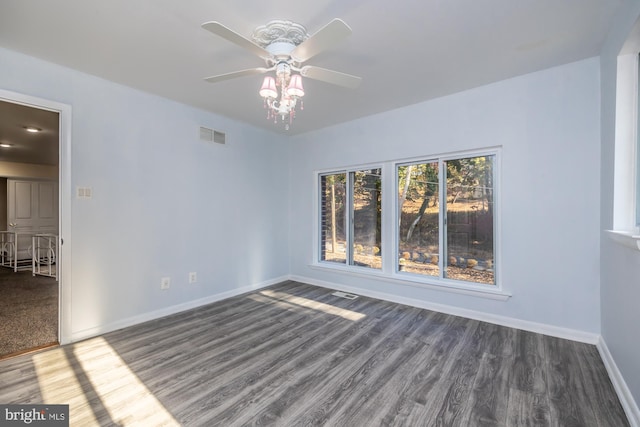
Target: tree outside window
pixel 446 226
pixel 350 215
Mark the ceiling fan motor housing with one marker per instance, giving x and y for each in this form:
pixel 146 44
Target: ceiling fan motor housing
pixel 281 51
pixel 279 38
pixel 279 31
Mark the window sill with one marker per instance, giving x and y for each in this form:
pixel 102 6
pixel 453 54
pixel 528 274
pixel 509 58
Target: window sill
pixel 626 238
pixel 409 280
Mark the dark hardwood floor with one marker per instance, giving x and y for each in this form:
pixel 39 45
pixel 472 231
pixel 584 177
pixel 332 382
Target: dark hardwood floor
pixel 294 355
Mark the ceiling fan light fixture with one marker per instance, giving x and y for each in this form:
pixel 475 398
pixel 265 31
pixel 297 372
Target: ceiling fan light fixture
pixel 295 88
pixel 285 45
pixel 284 103
pixel 268 89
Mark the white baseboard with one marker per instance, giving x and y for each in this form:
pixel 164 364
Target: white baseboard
pixel 541 328
pixel 624 394
pixel 130 321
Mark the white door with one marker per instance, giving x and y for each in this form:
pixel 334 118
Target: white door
pixel 32 208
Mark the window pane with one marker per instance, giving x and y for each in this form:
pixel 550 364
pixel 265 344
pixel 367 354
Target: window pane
pixel 333 202
pixel 470 219
pixel 367 208
pixel 418 218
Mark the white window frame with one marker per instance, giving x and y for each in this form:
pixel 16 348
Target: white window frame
pixel 441 280
pixel 626 187
pixel 388 274
pixel 348 265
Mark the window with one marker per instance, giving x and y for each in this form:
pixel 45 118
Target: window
pixel 350 218
pixel 446 218
pixel 440 230
pixel 626 194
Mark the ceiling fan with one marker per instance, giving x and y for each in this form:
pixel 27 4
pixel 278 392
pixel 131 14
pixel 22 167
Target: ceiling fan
pixel 285 46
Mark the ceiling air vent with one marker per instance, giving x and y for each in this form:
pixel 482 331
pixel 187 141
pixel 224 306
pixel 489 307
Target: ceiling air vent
pixel 211 135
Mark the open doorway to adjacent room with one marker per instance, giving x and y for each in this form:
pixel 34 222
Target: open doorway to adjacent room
pixel 29 228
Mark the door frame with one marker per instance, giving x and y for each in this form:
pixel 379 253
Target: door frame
pixel 64 201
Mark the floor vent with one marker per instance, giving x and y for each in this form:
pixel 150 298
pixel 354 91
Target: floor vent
pixel 344 295
pixel 211 135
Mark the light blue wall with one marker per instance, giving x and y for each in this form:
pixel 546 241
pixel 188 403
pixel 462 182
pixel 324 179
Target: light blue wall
pixel 164 203
pixel 620 265
pixel 548 126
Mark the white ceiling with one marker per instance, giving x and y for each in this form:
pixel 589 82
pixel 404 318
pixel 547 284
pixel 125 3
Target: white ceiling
pixel 406 51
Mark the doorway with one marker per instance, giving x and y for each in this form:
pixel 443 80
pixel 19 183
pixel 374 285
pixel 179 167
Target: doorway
pixel 31 157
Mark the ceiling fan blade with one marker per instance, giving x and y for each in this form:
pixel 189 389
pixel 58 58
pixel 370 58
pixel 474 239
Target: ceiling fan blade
pixel 330 76
pixel 226 33
pixel 235 74
pixel 325 38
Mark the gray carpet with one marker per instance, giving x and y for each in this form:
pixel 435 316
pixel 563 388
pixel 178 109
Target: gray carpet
pixel 28 311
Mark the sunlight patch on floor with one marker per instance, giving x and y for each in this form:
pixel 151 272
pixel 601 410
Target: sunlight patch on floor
pixel 126 398
pixel 274 302
pixel 59 385
pixel 94 381
pixel 314 305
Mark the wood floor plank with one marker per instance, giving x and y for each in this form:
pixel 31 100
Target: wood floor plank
pixel 214 346
pixel 293 354
pixel 569 403
pixel 526 409
pixel 529 370
pixel 462 376
pixel 356 398
pixel 528 399
pixel 340 360
pixel 419 389
pixel 487 405
pixel 277 368
pixel 500 340
pixel 457 372
pixel 600 394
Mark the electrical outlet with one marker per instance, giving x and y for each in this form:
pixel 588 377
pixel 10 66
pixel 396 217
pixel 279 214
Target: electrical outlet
pixel 165 283
pixel 193 277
